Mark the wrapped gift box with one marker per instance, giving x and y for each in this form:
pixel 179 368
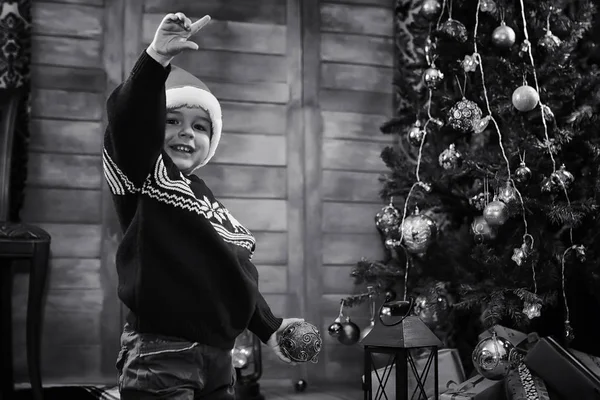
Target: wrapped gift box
pixel 450 370
pixel 514 337
pixel 562 371
pixel 592 362
pixel 476 388
pixel 522 384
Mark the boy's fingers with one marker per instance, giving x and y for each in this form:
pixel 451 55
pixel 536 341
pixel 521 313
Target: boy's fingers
pixel 201 23
pixel 186 45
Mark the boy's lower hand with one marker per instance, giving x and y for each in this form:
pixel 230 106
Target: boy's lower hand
pixel 173 33
pixel 274 344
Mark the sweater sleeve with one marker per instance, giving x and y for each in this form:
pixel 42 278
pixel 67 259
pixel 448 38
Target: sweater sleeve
pixel 135 132
pixel 263 323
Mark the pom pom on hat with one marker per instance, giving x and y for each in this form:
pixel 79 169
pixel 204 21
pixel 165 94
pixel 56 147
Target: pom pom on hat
pixel 184 89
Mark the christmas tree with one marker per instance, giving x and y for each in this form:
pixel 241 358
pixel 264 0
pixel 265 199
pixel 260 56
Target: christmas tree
pixel 493 188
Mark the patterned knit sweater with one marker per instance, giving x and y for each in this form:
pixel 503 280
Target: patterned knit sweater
pixel 184 261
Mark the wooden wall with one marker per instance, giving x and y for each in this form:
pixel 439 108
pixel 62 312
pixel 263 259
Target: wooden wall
pixel 304 87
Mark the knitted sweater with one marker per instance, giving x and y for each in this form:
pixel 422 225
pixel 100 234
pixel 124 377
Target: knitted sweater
pixel 184 261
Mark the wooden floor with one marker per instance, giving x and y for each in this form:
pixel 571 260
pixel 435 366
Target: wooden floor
pixel 278 392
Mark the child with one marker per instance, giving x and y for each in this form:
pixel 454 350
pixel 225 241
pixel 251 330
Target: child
pixel 184 262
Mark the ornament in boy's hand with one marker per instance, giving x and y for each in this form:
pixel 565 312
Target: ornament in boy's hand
pixel 301 342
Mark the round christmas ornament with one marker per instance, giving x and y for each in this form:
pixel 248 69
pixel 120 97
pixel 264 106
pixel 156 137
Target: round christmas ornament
pixel 350 333
pixel 525 98
pixel 503 36
pixel 522 173
pixel 430 9
pixel 493 357
pixel 432 77
pixel 300 386
pixel 387 219
pixel 532 310
pixel 416 134
pixel 463 115
pixel 488 6
pixel 450 158
pixel 335 329
pixel 549 42
pixel 482 231
pixel 453 29
pixel 418 232
pixel 434 305
pixel 301 342
pixel 496 213
pixel 558 182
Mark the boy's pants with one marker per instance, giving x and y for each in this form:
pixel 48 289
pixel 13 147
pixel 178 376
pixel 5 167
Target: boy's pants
pixel 161 367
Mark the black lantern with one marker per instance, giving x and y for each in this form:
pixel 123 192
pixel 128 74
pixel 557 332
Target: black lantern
pixel 401 337
pixel 246 355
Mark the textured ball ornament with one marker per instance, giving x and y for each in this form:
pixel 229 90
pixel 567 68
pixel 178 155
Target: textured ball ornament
pixel 301 342
pixel 463 115
pixel 496 213
pixel 504 36
pixel 415 135
pixel 432 77
pixel 418 233
pixel 522 173
pixel 430 9
pixel 453 29
pixel 488 6
pixel 433 306
pixel 450 158
pixel 525 98
pixel 350 333
pixel 387 219
pixel 494 357
pixel 482 231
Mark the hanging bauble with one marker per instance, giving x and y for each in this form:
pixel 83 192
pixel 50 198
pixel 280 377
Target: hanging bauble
pixel 416 134
pixel 503 36
pixel 388 219
pixel 482 231
pixel 453 29
pixel 430 9
pixel 463 115
pixel 525 98
pixel 335 329
pixel 488 6
pixel 493 357
pixel 480 200
pixel 563 177
pixel 432 77
pixel 522 173
pixel 508 195
pixel 350 333
pixel 532 310
pixel 418 232
pixel 390 295
pixel 569 332
pixel 450 158
pixel 433 306
pixel 549 42
pixel 469 63
pixel 301 342
pixel 300 386
pixel 496 213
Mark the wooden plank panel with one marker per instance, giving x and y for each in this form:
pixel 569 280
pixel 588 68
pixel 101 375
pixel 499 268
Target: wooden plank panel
pixel 228 35
pixel 349 217
pixel 74 273
pixel 357 19
pixel 67 20
pixel 64 301
pixel 356 77
pixel 277 303
pixel 349 248
pixel 343 125
pixel 254 118
pixel 97 3
pixel 330 305
pixel 244 181
pixel 69 105
pixel 63 329
pixel 264 11
pixel 67 78
pixel 70 52
pixel 65 171
pixel 356 102
pixel 252 92
pixel 251 149
pixel 337 279
pixel 62 205
pixel 234 67
pixel 259 214
pixel 271 248
pixel 272 279
pixel 352 155
pixel 351 186
pixel 83 366
pixel 66 137
pixel 367 50
pixel 389 4
pixel 74 240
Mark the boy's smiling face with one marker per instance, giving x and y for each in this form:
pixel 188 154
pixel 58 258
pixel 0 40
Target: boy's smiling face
pixel 187 137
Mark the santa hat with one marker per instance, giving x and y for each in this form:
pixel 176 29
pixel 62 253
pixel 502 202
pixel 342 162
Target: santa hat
pixel 184 89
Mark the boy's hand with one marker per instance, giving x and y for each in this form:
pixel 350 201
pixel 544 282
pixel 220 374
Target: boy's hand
pixel 172 35
pixel 274 344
